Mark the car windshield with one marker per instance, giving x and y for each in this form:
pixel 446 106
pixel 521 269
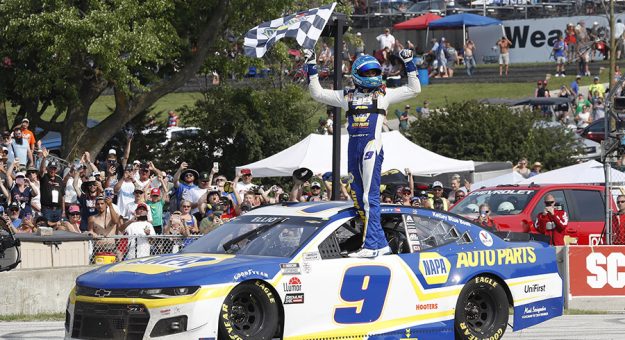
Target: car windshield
pixel 277 236
pixel 500 201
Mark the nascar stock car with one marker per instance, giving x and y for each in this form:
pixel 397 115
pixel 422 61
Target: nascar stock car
pixel 282 272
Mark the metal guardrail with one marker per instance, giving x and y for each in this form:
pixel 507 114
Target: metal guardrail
pixel 104 250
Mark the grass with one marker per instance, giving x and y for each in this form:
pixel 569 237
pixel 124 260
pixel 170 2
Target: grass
pixel 35 317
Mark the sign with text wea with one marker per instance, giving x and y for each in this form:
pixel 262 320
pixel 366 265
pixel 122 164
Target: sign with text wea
pixel 597 270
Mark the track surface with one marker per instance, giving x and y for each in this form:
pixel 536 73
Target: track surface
pixel 568 327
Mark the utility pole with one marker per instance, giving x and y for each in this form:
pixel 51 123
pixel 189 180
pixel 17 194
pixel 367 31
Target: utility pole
pixel 607 140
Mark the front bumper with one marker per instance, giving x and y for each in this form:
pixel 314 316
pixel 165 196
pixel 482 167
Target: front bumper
pixel 195 316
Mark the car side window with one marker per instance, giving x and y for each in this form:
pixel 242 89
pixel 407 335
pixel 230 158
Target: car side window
pixel 590 205
pixel 346 238
pixel 425 233
pixel 560 199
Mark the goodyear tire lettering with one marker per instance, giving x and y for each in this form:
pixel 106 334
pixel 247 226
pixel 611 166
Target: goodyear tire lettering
pixel 494 314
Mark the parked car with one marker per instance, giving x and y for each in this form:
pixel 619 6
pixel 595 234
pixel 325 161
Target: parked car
pixel 594 131
pixel 515 207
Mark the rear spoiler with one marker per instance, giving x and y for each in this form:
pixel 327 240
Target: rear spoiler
pixel 511 236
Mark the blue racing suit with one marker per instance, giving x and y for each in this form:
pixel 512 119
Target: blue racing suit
pixel 366 111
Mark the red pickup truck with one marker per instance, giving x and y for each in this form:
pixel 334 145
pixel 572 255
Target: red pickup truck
pixel 515 207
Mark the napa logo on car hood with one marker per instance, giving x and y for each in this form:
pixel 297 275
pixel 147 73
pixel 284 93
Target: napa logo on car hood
pixel 434 268
pixel 167 263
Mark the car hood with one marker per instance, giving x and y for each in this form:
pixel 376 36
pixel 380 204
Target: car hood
pixel 177 270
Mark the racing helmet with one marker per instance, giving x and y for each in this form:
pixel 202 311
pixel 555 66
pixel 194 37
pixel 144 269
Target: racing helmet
pixel 505 207
pixel 365 63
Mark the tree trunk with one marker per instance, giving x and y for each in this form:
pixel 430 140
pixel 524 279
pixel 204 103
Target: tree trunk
pixel 4 120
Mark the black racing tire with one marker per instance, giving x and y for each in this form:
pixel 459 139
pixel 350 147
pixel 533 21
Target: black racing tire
pixel 250 311
pixel 482 310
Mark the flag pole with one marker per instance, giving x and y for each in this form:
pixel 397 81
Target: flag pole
pixel 338 21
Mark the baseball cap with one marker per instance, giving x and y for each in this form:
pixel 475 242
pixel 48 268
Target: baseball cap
pixel 90 179
pixel 204 176
pixel 578 77
pixel 139 190
pixel 246 172
pixel 6 133
pixel 437 184
pixel 358 34
pixel 74 208
pixel 405 189
pixel 302 174
pixel 20 174
pixel 136 161
pixel 315 185
pixel 14 205
pixel 4 148
pixel 25 120
pixel 407 106
pixel 596 78
pixel 213 189
pixel 537 164
pixel 96 173
pixel 53 164
pixel 141 206
pixel 129 167
pixel 155 192
pixel 112 152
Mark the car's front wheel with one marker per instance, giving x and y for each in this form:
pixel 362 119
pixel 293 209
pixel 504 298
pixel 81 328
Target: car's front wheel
pixel 482 310
pixel 250 311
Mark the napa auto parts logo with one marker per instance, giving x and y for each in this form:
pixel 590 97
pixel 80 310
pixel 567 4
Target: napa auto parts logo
pixel 434 268
pixel 293 285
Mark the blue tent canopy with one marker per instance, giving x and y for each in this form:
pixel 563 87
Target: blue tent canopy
pixel 463 20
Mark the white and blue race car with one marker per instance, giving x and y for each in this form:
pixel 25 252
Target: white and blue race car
pixel 281 272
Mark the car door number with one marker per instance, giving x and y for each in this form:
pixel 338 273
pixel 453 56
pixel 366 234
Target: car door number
pixel 363 293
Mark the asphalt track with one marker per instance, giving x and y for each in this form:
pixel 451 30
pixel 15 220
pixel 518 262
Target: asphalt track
pixel 568 327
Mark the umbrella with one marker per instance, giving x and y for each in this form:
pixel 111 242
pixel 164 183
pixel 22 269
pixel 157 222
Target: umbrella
pixel 419 23
pixel 463 20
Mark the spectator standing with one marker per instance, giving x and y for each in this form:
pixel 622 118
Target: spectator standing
pixel 424 111
pixel 35 203
pixel 359 44
pixel 246 182
pixel 596 90
pixel 551 221
pixel 618 222
pixel 403 118
pixel 87 192
pixel 6 145
pixel 73 223
pixel 346 59
pixel 172 119
pixel 559 54
pixel 455 186
pixel 581 102
pixel 184 183
pixel 22 193
pixel 139 230
pixel 156 203
pixel 52 192
pixel 438 202
pixel 20 149
pixel 522 168
pixel 105 223
pixel 386 39
pixel 452 58
pixel 575 85
pixel 584 118
pixel 125 190
pixel 484 220
pixel 393 76
pixel 469 57
pixel 325 57
pixel 571 41
pixel 536 168
pixel 564 109
pixel 598 110
pixel 188 220
pixel 504 54
pixel 28 135
pixel 14 214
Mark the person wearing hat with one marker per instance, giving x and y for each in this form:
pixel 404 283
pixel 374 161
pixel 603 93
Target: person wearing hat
pixel 72 224
pixel 245 184
pixel 197 195
pixel 14 214
pixel 406 196
pixel 157 202
pixel 28 135
pixel 52 191
pixel 23 193
pixel 536 167
pixel 139 198
pixel 315 194
pixel 20 149
pixel 438 202
pixel 111 167
pixel 125 189
pixel 139 231
pixel 596 90
pixel 87 192
pixel 184 182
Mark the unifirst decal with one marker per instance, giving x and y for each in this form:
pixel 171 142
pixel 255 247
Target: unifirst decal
pixel 434 268
pixel 496 257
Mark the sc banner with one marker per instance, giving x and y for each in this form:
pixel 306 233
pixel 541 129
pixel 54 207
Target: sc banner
pixel 596 271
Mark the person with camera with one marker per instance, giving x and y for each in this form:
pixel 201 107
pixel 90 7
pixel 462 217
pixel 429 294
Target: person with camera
pixel 125 189
pixel 213 212
pixel 366 106
pixel 184 182
pixel 552 221
pixel 87 193
pixel 139 231
pixel 484 220
pixel 23 193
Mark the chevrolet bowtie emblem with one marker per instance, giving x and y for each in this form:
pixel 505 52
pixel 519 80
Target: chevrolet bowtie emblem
pixel 102 293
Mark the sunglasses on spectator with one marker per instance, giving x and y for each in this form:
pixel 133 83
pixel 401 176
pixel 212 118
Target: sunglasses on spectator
pixel 220 179
pixel 438 189
pixel 550 202
pixel 74 214
pixel 246 175
pixel 186 206
pixel 460 196
pixel 620 202
pixel 485 211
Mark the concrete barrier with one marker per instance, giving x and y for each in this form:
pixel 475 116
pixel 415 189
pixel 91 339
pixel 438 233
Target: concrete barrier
pixel 35 291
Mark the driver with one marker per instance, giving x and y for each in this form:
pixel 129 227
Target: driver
pixel 366 107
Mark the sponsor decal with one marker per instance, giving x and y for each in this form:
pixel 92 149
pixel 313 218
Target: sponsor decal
pixel 290 268
pixel 250 272
pixel 449 218
pixel 465 331
pixel 509 256
pixel 534 312
pixel 426 306
pixel 487 280
pixel 434 268
pixel 360 120
pixel 165 311
pixel 606 270
pixel 486 239
pixel 167 263
pixel 266 290
pixel 502 192
pixel 307 267
pixel 312 256
pixel 596 270
pixel 413 237
pixel 294 298
pixel 416 248
pixel 293 285
pixel 535 288
pixel 595 239
pixel 407 335
pixel 264 219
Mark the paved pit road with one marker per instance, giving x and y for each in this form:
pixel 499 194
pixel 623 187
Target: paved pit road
pixel 568 327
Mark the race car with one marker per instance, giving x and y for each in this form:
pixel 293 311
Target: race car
pixel 282 271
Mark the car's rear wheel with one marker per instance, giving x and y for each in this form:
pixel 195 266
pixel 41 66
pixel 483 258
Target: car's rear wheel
pixel 250 311
pixel 482 310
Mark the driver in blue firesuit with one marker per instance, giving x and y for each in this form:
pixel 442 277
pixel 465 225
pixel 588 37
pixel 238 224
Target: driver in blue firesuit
pixel 366 105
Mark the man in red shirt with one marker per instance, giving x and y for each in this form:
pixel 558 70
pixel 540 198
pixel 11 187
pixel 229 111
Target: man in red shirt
pixel 28 135
pixel 618 222
pixel 552 221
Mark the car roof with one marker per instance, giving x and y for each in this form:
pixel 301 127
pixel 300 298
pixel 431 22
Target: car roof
pixel 311 209
pixel 538 187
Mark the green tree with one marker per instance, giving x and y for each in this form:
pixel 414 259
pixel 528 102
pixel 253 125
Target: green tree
pixel 494 133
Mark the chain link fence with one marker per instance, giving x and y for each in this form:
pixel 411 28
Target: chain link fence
pixel 111 249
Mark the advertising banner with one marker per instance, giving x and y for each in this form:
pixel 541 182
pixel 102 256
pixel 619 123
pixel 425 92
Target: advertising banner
pixel 596 271
pixel 532 39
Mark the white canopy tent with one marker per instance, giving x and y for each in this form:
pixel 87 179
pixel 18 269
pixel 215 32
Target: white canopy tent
pixel 315 152
pixel 512 177
pixel 588 172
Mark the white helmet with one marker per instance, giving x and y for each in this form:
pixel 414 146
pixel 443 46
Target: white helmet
pixel 472 208
pixel 505 207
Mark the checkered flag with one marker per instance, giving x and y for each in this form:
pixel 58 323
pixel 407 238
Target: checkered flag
pixel 305 27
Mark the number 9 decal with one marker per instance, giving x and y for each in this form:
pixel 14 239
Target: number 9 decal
pixel 364 292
